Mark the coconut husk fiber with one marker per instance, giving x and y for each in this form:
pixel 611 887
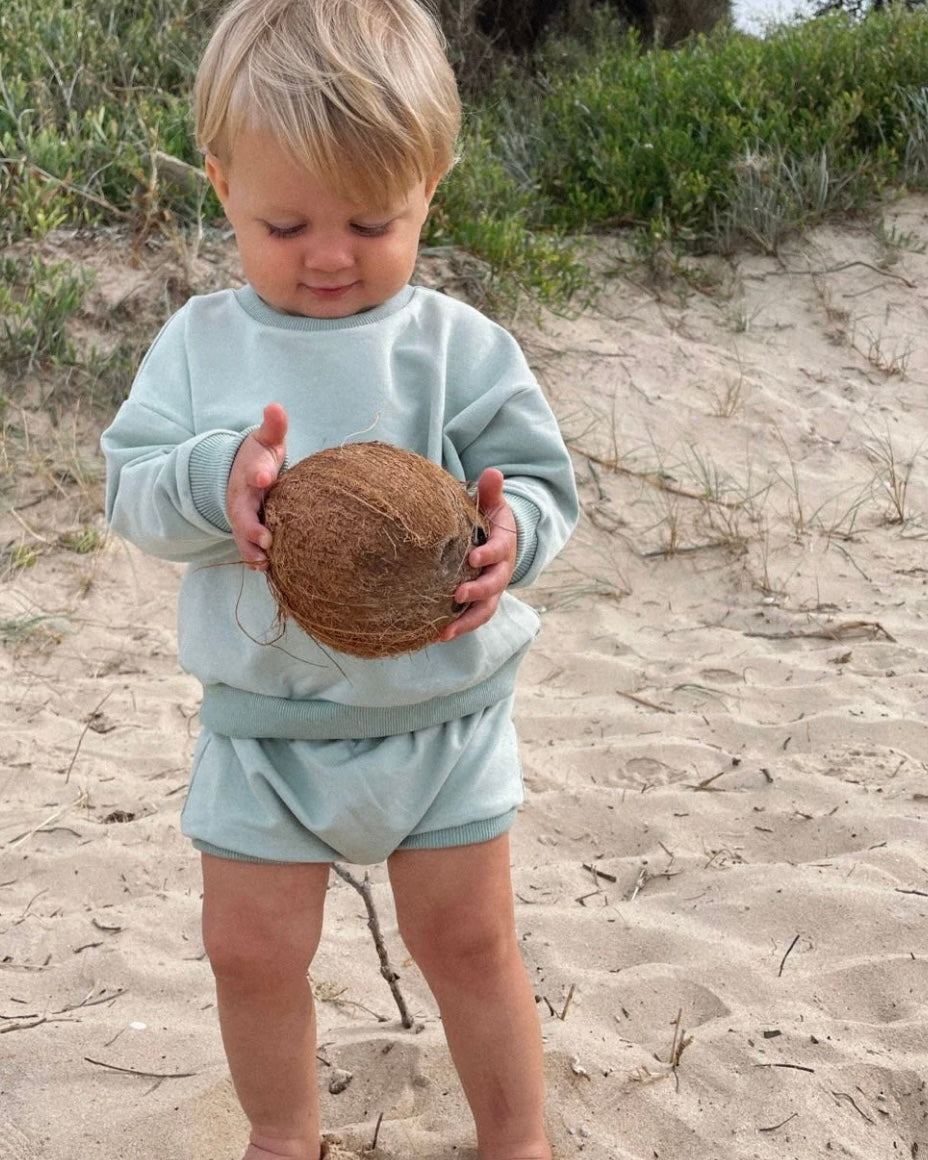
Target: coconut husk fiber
pixel 370 542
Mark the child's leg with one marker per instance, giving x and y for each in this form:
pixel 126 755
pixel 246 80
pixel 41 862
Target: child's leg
pixel 261 926
pixel 456 917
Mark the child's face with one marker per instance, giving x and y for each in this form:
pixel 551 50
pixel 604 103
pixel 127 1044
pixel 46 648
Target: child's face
pixel 304 249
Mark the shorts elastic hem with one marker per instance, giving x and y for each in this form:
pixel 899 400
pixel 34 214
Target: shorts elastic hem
pixel 469 834
pixel 234 856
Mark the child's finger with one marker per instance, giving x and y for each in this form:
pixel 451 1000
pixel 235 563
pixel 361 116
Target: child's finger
pixel 250 535
pixel 498 546
pixel 476 614
pixel 263 472
pixel 273 429
pixel 490 489
pixel 251 553
pixel 491 582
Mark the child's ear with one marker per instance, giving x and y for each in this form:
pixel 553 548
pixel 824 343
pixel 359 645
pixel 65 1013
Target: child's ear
pixel 217 177
pixel 430 186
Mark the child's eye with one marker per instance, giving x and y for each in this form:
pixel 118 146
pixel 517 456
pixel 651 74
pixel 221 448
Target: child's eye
pixel 283 231
pixel 370 231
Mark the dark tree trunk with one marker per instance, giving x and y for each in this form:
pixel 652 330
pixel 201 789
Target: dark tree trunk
pixel 480 31
pixel 516 25
pixel 640 16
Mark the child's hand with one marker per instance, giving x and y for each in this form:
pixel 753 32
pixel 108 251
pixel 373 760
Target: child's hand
pixel 496 558
pixel 255 467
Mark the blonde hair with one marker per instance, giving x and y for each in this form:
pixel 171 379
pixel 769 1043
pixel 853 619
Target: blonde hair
pixel 358 91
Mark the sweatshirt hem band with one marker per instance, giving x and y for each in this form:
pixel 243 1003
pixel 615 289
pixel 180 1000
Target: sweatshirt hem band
pixel 236 713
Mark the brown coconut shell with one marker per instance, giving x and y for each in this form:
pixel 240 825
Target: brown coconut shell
pixel 369 544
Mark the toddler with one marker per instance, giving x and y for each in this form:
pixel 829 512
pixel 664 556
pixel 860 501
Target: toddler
pixel 326 126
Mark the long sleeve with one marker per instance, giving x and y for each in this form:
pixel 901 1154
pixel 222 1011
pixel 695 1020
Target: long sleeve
pixel 166 480
pixel 508 424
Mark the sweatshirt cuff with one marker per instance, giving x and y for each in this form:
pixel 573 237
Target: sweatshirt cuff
pixel 208 470
pixel 527 517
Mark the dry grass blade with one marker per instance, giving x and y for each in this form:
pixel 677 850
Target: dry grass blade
pixel 681 1042
pixel 88 723
pixel 659 481
pixel 644 702
pixel 850 630
pixel 49 821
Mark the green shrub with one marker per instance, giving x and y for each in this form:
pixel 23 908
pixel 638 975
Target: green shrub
pixel 36 302
pixel 636 136
pixel 726 138
pixel 88 89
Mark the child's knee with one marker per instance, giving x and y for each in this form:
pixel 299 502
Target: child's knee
pixel 261 922
pixel 460 949
pixel 244 948
pixel 244 952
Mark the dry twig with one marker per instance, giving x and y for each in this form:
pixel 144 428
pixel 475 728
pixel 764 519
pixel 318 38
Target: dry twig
pixel 793 1066
pixel 782 1123
pixel 707 781
pixel 639 882
pixel 786 956
pixel 373 922
pixel 847 266
pixel 135 1071
pixel 850 1099
pixel 372 1146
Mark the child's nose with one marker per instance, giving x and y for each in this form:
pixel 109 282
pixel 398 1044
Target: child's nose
pixel 328 252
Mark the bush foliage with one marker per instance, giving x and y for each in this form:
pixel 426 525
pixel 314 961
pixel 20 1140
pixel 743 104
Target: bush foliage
pixel 629 137
pixel 723 138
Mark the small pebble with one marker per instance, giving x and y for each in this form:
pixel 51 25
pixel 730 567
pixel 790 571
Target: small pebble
pixel 339 1080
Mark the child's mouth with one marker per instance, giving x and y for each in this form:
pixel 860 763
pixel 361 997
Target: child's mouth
pixel 331 291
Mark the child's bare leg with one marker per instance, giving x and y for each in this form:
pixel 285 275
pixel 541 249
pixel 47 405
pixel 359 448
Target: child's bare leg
pixel 456 917
pixel 261 926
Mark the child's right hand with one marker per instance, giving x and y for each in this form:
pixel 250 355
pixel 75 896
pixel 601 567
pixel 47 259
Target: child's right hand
pixel 255 467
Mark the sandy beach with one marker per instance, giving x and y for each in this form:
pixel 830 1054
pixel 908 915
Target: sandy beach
pixel 721 867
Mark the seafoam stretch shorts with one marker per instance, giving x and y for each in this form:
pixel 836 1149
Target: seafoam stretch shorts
pixel 266 800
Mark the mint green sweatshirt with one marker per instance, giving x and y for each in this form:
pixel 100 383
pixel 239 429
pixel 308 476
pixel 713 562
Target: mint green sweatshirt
pixel 422 371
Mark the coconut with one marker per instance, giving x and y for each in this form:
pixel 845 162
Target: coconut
pixel 369 545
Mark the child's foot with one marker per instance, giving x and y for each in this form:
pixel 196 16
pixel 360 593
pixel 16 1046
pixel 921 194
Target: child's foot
pixel 264 1149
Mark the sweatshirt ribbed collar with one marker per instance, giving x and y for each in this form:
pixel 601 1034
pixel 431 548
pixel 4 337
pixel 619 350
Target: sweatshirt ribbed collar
pixel 259 310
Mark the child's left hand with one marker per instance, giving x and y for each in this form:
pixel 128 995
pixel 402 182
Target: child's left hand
pixel 496 558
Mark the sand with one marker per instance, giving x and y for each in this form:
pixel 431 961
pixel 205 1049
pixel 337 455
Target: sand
pixel 721 868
